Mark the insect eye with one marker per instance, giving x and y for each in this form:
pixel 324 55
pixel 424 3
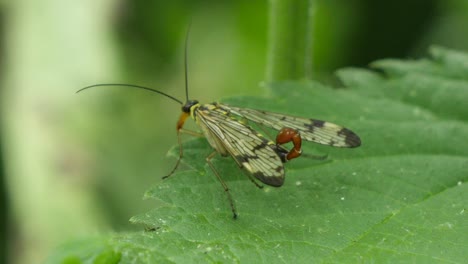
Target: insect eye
pixel 186 108
pixel 188 105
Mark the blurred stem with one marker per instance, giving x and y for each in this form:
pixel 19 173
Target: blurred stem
pixel 4 211
pixel 52 48
pixel 290 40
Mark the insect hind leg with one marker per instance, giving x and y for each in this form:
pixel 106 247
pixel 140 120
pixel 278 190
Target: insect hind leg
pixel 315 157
pixel 225 187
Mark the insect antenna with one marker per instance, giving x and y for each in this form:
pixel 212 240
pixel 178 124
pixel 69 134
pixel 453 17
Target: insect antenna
pixel 186 62
pixel 131 86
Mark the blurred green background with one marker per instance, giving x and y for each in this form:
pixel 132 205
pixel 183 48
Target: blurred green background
pixel 73 165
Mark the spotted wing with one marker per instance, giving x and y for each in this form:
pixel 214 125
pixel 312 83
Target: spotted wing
pixel 318 131
pixel 250 150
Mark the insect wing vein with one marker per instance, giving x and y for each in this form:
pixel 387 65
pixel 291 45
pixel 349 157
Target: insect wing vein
pixel 314 130
pixel 250 150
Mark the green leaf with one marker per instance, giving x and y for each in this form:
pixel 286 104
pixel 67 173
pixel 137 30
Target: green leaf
pixel 93 250
pixel 401 197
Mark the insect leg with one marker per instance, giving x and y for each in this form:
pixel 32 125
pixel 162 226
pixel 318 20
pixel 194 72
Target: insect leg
pixel 286 135
pixel 181 153
pixel 226 189
pixel 316 157
pixel 254 182
pixel 192 133
pixel 189 132
pixel 180 130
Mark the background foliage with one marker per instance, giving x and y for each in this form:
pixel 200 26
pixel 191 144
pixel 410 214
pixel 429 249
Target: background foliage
pixel 77 165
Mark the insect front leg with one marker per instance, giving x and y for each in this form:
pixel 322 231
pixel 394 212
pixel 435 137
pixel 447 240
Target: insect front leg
pixel 192 133
pixel 179 127
pixel 225 187
pixel 286 135
pixel 181 153
pixel 179 140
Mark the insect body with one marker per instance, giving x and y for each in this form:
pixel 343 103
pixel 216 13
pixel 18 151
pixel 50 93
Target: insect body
pixel 229 135
pixel 260 157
